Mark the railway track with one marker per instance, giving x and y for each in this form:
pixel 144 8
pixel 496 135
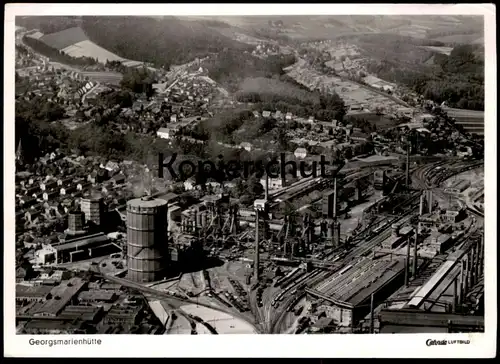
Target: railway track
pixel 164 295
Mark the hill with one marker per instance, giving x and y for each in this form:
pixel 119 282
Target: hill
pixel 159 40
pixel 64 38
pixel 163 42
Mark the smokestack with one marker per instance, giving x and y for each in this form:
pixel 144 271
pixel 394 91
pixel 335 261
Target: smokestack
pixel 415 256
pixel 461 284
pixel 256 261
pixel 430 201
pixel 337 233
pixel 235 220
pixel 331 233
pixel 469 270
pixel 267 188
pixel 472 266
pixel 408 165
pixel 195 218
pixel 372 309
pixel 421 209
pixel 407 264
pixel 454 306
pixel 335 198
pixel 478 258
pixel 466 275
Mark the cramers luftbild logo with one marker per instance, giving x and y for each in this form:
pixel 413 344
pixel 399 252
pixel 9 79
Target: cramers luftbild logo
pixel 222 170
pixel 431 342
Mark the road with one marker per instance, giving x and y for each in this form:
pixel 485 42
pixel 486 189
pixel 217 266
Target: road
pixel 172 299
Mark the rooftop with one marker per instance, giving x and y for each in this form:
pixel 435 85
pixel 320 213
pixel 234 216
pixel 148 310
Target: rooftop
pixel 82 242
pixel 32 291
pixel 145 203
pixel 61 295
pixel 357 282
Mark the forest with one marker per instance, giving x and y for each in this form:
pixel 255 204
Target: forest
pixel 231 66
pixel 457 79
pixel 162 42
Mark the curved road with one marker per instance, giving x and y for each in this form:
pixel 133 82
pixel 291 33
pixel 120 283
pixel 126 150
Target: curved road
pixel 160 294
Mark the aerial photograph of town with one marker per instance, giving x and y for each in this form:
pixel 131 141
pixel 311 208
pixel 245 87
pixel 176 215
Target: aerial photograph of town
pixel 210 175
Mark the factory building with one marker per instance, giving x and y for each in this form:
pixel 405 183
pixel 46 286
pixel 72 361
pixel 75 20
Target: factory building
pixel 147 246
pixel 349 290
pixel 458 188
pixel 399 236
pixel 416 321
pixel 83 247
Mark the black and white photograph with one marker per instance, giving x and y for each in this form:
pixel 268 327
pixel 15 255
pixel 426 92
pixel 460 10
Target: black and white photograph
pixel 263 174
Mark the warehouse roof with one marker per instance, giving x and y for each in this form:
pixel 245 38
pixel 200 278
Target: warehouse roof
pixel 424 318
pixel 354 284
pixel 84 313
pixel 61 295
pixel 23 291
pixel 82 242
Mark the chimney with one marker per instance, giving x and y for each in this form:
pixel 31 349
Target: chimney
pixel 454 305
pixel 337 233
pixel 421 209
pixel 256 260
pixel 415 255
pixel 335 198
pixel 461 284
pixel 408 164
pixel 267 188
pixel 407 264
pixel 429 201
pixel 330 233
pixel 372 313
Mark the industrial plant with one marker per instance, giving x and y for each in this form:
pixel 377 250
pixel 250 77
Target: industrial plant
pixel 388 237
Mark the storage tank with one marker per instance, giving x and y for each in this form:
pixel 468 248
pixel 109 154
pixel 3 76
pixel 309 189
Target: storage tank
pixel 147 223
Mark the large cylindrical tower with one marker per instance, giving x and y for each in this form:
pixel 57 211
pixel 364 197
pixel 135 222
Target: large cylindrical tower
pixel 147 247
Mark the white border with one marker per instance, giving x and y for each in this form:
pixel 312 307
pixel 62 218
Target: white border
pixel 408 345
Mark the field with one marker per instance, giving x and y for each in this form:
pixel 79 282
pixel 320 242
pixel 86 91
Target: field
pixel 350 92
pixel 89 49
pixel 64 38
pixel 381 121
pixel 75 43
pixel 461 38
pixel 442 50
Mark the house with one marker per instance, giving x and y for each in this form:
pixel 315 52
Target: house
pixel 189 184
pixel 166 133
pixel 288 116
pixel 311 119
pixel 300 153
pixel 273 183
pixel 266 114
pixel 111 166
pixel 278 115
pixel 173 118
pixel 247 146
pixel 118 179
pixel 256 114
